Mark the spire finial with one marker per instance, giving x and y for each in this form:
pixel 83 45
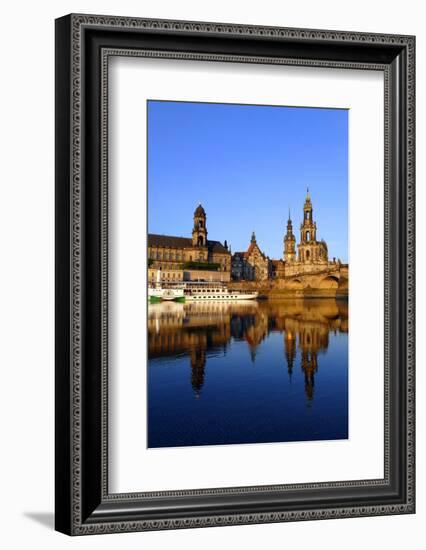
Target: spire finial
pixel 308 196
pixel 253 237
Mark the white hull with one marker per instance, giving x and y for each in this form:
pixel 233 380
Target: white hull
pixel 166 294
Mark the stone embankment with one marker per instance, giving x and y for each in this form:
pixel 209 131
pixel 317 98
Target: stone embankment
pixel 278 290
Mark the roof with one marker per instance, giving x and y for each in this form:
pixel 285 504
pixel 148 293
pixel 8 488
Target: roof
pixel 217 246
pixel 169 240
pixel 183 242
pixel 250 249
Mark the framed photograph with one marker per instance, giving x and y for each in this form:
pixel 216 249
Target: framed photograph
pixel 234 274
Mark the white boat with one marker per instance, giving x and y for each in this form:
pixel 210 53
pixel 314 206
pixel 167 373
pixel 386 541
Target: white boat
pixel 166 294
pixel 158 292
pixel 209 291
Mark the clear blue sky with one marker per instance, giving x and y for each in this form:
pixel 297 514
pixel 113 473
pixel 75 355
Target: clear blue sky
pixel 248 165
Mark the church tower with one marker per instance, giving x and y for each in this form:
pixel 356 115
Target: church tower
pixel 199 232
pixel 289 242
pixel 308 228
pixel 311 251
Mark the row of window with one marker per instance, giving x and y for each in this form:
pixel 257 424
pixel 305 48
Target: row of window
pixel 307 255
pixel 202 290
pixel 228 297
pixel 154 255
pixel 178 256
pixel 168 275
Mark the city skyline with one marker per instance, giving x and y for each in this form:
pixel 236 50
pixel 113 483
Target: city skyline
pixel 221 155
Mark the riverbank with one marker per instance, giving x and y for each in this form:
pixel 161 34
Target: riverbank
pixel 270 291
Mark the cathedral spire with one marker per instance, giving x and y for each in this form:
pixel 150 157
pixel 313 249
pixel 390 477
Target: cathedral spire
pixel 289 242
pixel 289 223
pixel 308 196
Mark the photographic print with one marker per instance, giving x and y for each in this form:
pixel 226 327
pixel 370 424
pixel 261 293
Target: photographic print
pixel 248 274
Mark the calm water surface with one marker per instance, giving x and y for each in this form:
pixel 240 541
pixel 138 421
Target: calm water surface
pixel 252 372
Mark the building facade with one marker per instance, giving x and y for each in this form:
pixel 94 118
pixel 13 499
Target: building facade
pixel 277 269
pixel 309 256
pixel 252 265
pixel 189 258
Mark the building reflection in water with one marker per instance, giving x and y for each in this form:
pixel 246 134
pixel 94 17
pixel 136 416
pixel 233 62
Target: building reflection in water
pixel 290 343
pixel 200 329
pixel 198 368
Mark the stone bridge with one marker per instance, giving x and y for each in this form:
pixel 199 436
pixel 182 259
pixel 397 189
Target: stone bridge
pixel 330 282
pixel 334 279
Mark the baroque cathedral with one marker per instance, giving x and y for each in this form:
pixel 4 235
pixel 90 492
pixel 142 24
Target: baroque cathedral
pixel 309 256
pixel 311 252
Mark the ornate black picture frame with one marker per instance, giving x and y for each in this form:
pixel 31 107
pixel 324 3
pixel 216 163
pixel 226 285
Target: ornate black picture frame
pixel 83 45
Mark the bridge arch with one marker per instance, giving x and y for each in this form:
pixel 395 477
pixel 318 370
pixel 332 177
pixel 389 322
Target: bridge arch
pixel 330 282
pixel 296 284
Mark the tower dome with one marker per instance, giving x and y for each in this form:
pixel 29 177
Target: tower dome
pixel 199 211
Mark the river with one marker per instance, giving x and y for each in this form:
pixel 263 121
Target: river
pixel 248 372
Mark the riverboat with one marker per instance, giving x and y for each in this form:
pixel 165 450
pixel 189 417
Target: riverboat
pixel 208 291
pixel 158 292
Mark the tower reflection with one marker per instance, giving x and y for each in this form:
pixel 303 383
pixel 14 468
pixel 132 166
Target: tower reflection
pixel 198 365
pixel 202 330
pixel 290 343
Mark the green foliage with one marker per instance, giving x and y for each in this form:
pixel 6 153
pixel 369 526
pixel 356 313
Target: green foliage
pixel 202 266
